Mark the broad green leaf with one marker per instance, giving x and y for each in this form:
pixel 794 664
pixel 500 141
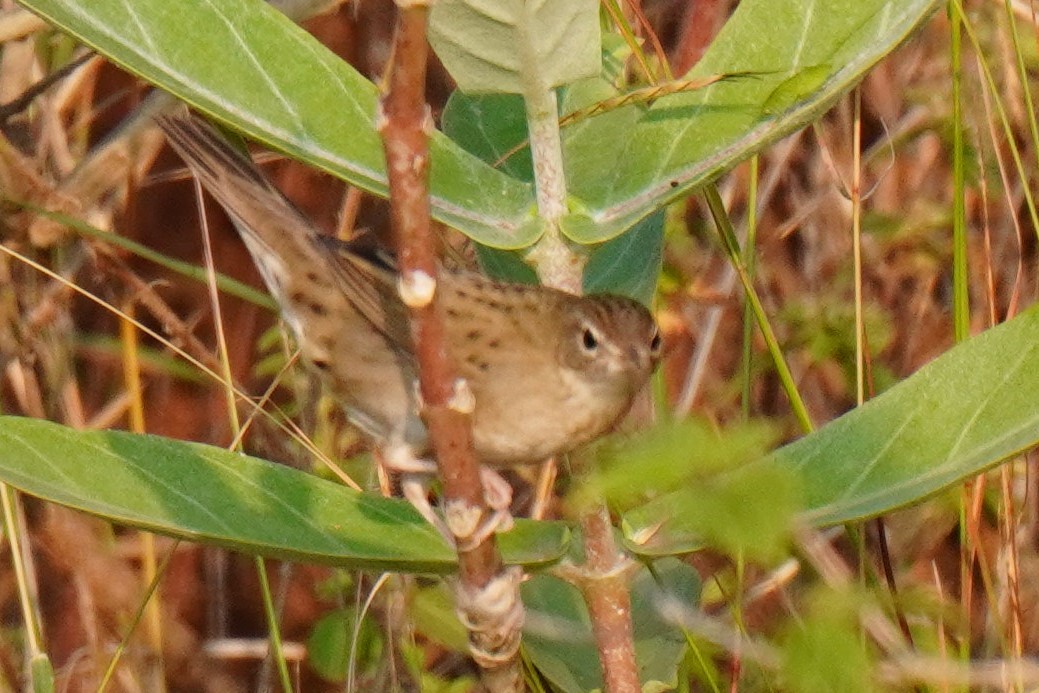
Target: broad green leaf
pixel 626 471
pixel 630 263
pixel 328 646
pixel 824 651
pixel 968 410
pixel 210 495
pixel 246 64
pixel 492 127
pixel 433 614
pixel 558 638
pixel 801 55
pixel 509 46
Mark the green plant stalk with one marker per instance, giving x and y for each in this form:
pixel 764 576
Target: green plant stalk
pixel 560 267
pixel 732 248
pixel 277 650
pixel 961 296
pixel 960 320
pixel 749 257
pixel 961 24
pixel 703 661
pixel 26 595
pixel 138 616
pixel 274 634
pixel 1024 79
pixel 960 21
pixel 556 263
pixel 186 269
pixel 856 244
pixel 530 674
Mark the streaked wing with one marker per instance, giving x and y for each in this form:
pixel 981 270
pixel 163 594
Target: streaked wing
pixel 264 216
pixel 371 284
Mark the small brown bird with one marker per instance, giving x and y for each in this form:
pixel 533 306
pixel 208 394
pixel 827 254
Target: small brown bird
pixel 549 370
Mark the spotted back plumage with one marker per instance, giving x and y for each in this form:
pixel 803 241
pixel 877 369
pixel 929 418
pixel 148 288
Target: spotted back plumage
pixel 549 370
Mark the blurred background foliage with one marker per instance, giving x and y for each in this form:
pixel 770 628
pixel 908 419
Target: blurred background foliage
pixel 958 559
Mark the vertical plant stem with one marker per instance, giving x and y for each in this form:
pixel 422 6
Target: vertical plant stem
pixel 146 603
pixel 558 266
pixel 732 248
pixel 556 263
pixel 546 150
pixel 152 615
pixel 961 299
pixel 960 316
pixel 227 379
pixel 856 244
pixel 274 632
pixel 487 593
pixel 605 588
pixel 749 254
pixel 42 673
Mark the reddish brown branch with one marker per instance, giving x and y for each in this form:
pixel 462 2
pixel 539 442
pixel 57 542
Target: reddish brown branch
pixel 405 130
pixel 605 583
pixel 405 126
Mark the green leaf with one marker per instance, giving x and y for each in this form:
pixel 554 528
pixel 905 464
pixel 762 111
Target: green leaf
pixel 630 263
pixel 802 54
pixel 246 64
pixel 208 494
pixel 721 500
pixel 433 613
pixel 966 411
pixel 824 650
pixel 491 126
pixel 558 638
pixel 506 46
pixel 328 647
pixel 626 471
pixel 748 513
pixel 42 674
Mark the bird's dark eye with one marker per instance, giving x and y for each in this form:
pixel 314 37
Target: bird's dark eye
pixel 589 340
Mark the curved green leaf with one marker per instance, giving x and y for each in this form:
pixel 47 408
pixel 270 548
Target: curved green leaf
pixel 801 54
pixel 246 64
pixel 505 46
pixel 492 126
pixel 208 494
pixel 968 410
pixel 630 263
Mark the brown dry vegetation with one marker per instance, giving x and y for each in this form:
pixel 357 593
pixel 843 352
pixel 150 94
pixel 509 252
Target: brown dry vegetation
pixel 64 357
